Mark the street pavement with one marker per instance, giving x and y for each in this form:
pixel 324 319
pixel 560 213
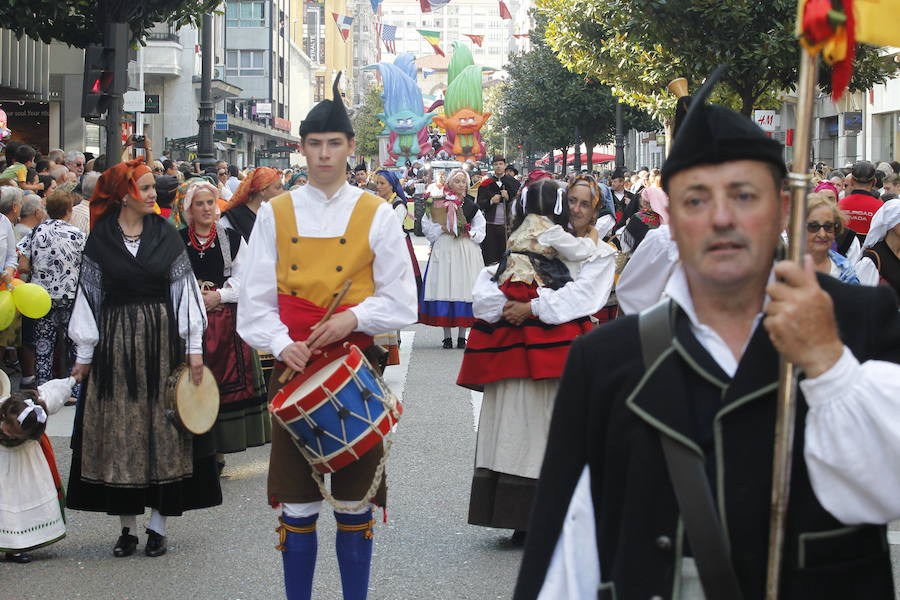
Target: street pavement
pixel 426 550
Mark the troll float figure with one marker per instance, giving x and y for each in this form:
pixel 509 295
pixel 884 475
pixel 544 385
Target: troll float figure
pixel 463 106
pixel 404 113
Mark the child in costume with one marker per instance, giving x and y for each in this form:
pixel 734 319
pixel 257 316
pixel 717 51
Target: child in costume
pixel 31 497
pixel 540 251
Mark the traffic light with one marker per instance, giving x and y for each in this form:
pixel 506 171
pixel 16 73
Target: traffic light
pixel 98 81
pixel 105 71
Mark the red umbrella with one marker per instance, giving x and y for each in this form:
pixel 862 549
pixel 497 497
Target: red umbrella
pixel 595 159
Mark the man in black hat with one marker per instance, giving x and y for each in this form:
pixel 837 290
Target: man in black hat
pixel 495 194
pixel 306 245
pixel 861 204
pixel 677 427
pixel 622 198
pixel 361 177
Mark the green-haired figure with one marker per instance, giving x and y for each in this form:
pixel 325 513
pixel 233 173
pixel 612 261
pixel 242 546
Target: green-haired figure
pixel 463 106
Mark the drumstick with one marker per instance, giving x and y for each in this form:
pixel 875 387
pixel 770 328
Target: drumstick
pixel 335 302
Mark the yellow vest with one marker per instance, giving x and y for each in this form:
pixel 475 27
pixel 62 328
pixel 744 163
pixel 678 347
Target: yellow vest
pixel 315 268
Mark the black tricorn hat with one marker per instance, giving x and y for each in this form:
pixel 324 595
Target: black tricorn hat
pixel 328 115
pixel 710 135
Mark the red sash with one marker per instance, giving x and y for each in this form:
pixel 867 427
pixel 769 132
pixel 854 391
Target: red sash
pixel 300 315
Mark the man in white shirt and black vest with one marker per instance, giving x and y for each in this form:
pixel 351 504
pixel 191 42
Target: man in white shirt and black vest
pixel 696 377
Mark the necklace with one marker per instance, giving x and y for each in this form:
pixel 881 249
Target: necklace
pixel 129 238
pixel 202 247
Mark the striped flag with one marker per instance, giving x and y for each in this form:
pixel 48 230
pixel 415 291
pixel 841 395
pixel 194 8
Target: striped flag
pixel 433 38
pixel 389 37
pixel 432 5
pixel 343 22
pixel 476 39
pixel 504 12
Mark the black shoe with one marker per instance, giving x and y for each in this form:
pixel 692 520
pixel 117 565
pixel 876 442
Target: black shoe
pixel 460 342
pixel 18 557
pixel 126 544
pixel 448 344
pixel 156 544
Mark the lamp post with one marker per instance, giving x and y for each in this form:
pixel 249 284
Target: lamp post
pixel 620 137
pixel 205 151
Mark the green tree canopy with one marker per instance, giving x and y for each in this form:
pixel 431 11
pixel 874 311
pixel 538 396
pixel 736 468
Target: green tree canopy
pixel 548 106
pixel 366 123
pixel 80 22
pixel 638 46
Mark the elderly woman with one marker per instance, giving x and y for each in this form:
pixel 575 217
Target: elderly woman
pixel 215 254
pixel 845 242
pixel 824 220
pixel 454 226
pixel 11 337
pixel 138 315
pixel 298 179
pixel 519 395
pixel 261 185
pixel 881 250
pixel 52 254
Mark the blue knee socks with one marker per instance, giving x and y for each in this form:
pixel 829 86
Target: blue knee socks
pixel 353 544
pixel 298 546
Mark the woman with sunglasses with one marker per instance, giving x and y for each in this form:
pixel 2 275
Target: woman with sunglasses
pixel 824 221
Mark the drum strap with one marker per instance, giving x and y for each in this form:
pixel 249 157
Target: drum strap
pixel 225 244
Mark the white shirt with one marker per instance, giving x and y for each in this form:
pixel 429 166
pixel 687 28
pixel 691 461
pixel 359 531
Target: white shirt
pixel 191 319
pixel 643 280
pixel 867 272
pixel 391 307
pixel 8 243
pixel 232 183
pixel 604 225
pixel 226 192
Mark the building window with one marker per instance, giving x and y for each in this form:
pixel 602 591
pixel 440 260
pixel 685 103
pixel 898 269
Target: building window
pixel 245 63
pixel 245 14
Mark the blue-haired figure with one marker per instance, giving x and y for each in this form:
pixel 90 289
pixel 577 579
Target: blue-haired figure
pixel 404 109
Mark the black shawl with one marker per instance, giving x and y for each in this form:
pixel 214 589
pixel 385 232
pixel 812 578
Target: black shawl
pixel 117 285
pixel 242 220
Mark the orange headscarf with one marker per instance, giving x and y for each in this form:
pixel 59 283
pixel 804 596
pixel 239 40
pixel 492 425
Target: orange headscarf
pixel 255 182
pixel 114 184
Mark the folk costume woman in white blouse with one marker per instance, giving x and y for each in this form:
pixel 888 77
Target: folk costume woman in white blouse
pixel 138 307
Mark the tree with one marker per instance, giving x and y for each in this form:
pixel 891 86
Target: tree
pixel 637 46
pixel 80 22
pixel 366 123
pixel 493 132
pixel 552 108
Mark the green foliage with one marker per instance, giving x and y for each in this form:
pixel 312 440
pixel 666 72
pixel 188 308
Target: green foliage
pixel 80 22
pixel 638 46
pixel 366 123
pixel 493 131
pixel 550 107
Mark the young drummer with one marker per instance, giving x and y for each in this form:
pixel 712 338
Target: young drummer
pixel 305 245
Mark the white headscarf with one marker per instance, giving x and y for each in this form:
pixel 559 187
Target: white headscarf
pixel 189 198
pixel 887 217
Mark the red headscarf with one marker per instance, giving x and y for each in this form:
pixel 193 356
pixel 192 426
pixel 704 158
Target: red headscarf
pixel 255 182
pixel 114 184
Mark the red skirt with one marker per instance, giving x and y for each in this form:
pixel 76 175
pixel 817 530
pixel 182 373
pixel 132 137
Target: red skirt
pixel 229 358
pixel 533 350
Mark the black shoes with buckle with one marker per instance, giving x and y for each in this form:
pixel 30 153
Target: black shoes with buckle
pixel 125 545
pixel 448 344
pixel 461 343
pixel 156 544
pixel 17 557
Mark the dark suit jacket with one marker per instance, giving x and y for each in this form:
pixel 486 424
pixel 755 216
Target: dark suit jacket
pixel 490 187
pixel 611 419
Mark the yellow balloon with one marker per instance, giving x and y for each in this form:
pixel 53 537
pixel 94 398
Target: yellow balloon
pixel 32 300
pixel 16 282
pixel 7 309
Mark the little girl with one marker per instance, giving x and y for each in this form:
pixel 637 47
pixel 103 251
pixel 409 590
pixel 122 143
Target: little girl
pixel 31 497
pixel 540 252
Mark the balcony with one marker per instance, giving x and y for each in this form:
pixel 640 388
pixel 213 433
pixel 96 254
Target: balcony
pixel 162 55
pixel 219 89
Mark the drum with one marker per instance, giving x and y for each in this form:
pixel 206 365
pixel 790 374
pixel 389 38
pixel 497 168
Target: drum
pixel 337 412
pixel 192 408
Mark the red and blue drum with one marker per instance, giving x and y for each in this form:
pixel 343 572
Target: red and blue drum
pixel 338 411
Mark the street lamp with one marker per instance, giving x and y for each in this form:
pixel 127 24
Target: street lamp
pixel 205 150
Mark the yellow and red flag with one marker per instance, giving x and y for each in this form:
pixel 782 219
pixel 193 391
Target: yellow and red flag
pixel 834 28
pixel 476 39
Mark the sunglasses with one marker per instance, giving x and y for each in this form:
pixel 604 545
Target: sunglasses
pixel 814 226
